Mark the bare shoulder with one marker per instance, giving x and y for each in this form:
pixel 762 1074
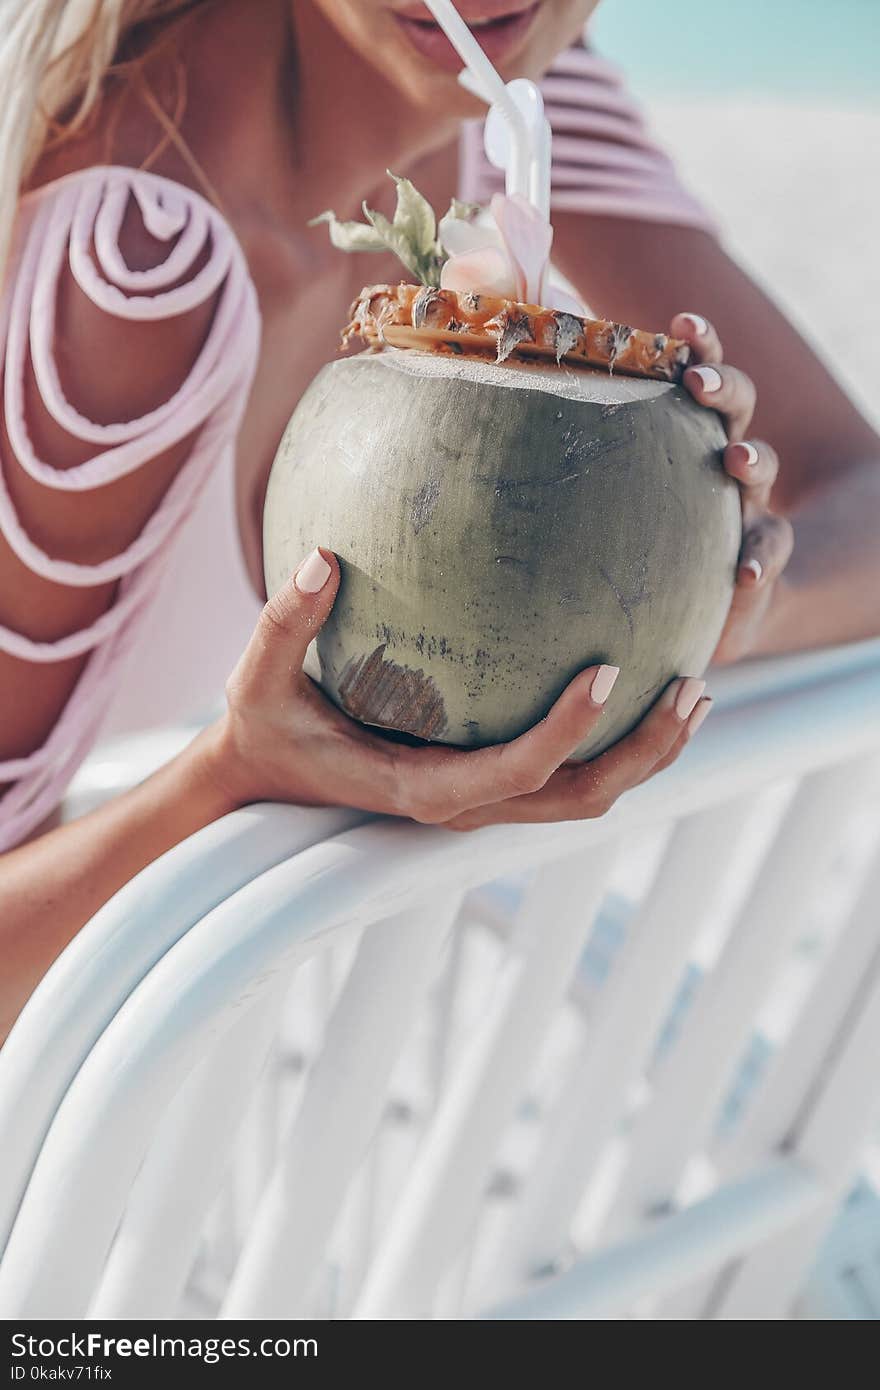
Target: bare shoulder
pixel 132 326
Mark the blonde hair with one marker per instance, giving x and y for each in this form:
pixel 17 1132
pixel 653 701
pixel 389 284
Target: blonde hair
pixel 55 57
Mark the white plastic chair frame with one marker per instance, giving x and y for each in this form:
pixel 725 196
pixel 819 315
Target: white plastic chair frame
pixel 123 1085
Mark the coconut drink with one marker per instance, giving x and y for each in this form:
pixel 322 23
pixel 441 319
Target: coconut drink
pixel 514 491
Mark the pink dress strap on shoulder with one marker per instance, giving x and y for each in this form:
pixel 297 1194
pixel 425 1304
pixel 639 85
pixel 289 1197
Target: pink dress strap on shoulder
pixel 605 160
pixel 74 225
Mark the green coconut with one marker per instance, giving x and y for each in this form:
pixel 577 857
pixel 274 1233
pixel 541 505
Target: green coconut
pixel 500 527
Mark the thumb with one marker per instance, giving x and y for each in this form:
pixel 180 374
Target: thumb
pixel 292 618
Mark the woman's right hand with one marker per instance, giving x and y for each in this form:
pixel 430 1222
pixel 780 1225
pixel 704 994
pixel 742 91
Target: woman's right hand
pixel 281 739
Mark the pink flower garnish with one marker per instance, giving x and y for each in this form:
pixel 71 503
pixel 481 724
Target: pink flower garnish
pixel 527 238
pixel 510 260
pixel 487 271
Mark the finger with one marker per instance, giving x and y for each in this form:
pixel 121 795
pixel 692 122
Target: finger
pixel 289 621
pixel 635 757
pixel 699 715
pixel 582 791
pixel 755 466
pixel 727 390
pixel 704 342
pixel 437 784
pixel 766 549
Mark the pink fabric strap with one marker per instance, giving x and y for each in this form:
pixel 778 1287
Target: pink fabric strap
pixel 75 223
pixel 604 158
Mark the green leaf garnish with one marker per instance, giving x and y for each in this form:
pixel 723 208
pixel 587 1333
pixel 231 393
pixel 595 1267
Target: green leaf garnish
pixel 463 212
pixel 411 235
pixel 414 216
pixel 397 239
pixel 350 236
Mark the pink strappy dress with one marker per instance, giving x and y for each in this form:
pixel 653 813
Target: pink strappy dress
pixel 185 606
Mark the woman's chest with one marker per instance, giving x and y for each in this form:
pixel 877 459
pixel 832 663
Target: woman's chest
pixel 305 289
pixel 301 322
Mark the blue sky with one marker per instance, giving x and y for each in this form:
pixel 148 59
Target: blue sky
pixel 815 50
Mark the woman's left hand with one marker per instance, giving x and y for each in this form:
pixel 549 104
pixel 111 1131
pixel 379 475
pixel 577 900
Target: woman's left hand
pixel 767 538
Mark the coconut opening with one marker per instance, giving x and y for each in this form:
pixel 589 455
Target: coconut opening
pixel 569 383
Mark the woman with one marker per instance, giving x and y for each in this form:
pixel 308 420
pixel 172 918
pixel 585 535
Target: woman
pixel 159 327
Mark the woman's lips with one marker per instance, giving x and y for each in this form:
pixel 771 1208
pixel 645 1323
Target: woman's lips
pixel 498 38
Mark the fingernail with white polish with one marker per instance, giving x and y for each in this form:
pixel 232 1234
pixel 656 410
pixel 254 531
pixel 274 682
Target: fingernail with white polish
pixel 710 379
pixel 754 567
pixel 603 683
pixel 698 323
pixel 698 716
pixel 751 453
pixel 687 697
pixel 312 574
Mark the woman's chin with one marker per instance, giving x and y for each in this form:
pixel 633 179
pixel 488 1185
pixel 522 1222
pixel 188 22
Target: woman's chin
pixel 425 84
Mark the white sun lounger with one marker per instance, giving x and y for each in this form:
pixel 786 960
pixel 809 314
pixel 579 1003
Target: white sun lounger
pixel 325 1064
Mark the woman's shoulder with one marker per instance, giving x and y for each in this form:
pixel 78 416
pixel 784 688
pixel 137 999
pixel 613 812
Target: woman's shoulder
pixel 52 178
pixel 129 337
pixel 105 253
pixel 149 188
pixel 150 216
pixel 130 333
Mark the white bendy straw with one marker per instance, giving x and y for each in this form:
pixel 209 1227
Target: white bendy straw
pixel 525 157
